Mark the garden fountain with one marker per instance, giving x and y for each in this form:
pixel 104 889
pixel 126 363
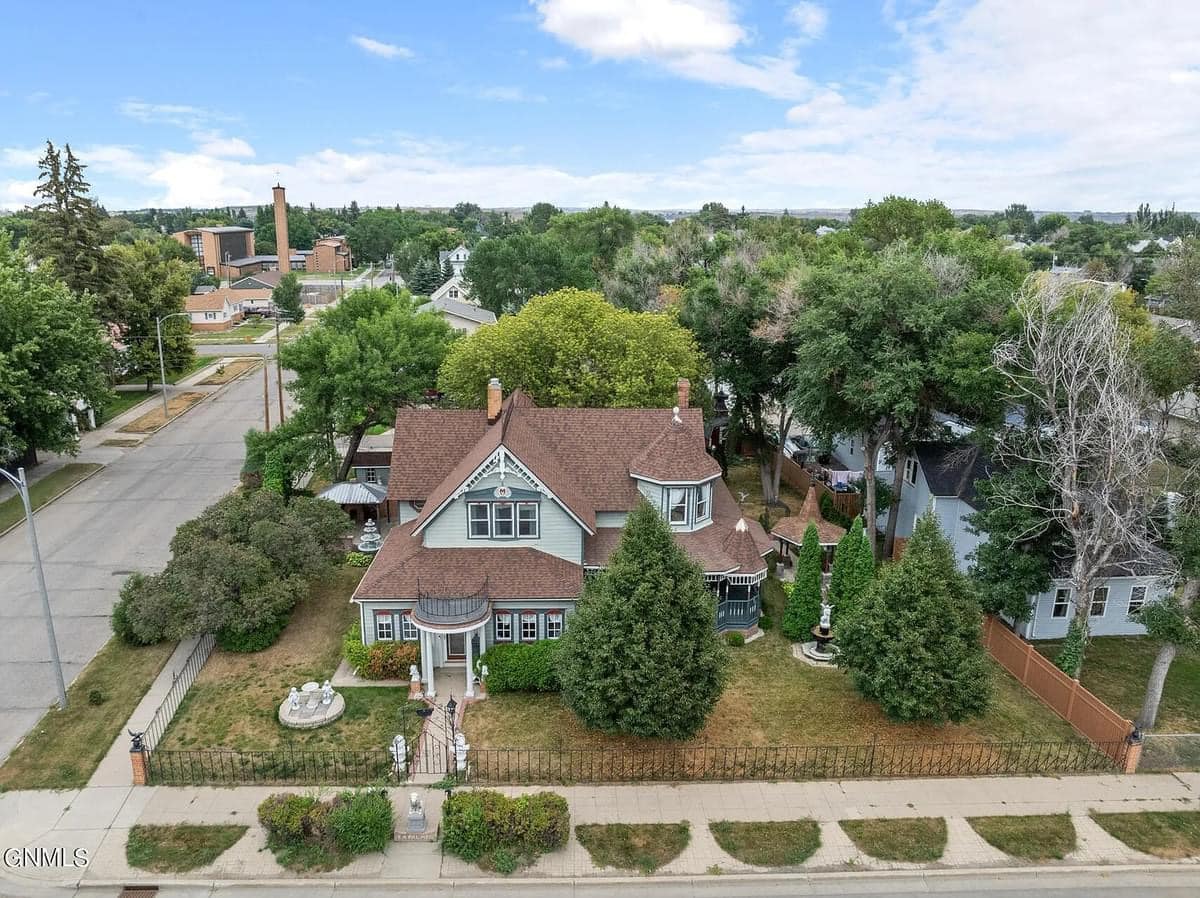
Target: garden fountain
pixel 370 540
pixel 820 651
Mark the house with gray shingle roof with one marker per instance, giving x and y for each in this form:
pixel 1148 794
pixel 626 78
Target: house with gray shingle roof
pixel 453 300
pixel 502 513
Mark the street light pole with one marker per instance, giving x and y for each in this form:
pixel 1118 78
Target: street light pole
pixel 278 363
pixel 22 487
pixel 162 364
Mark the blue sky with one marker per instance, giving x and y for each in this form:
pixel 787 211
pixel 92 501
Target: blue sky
pixel 647 103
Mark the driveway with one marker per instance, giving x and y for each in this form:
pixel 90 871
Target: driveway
pixel 120 520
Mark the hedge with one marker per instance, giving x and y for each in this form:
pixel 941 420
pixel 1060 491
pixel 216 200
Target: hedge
pixel 380 660
pixel 350 822
pixel 480 824
pixel 523 667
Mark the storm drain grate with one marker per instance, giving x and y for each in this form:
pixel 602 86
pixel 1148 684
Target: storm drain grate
pixel 138 892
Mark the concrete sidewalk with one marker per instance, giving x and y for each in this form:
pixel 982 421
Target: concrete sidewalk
pixel 98 819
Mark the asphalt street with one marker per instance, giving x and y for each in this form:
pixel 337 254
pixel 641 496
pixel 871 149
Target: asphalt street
pixel 120 520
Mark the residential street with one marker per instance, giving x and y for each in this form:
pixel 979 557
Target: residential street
pixel 120 520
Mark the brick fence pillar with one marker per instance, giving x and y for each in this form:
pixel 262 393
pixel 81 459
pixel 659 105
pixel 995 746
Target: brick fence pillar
pixel 1134 753
pixel 137 759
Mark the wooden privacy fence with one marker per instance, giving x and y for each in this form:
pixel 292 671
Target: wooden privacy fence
pixel 1070 701
pixel 800 479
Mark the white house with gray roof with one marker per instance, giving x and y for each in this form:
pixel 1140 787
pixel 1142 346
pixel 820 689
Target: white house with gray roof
pixel 453 300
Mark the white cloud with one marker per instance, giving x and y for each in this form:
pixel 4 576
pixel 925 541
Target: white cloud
pixel 554 63
pixel 213 143
pixel 809 18
pixel 692 38
pixel 180 114
pixel 498 93
pixel 380 48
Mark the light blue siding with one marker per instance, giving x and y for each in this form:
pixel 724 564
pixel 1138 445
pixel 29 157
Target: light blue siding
pixel 405 512
pixel 381 474
pixel 1114 622
pixel 560 534
pixel 952 515
pixel 653 493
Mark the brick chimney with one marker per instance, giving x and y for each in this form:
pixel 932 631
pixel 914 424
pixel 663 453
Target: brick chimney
pixel 685 388
pixel 281 231
pixel 495 396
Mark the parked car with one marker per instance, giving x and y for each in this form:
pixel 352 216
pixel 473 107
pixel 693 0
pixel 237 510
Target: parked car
pixel 797 448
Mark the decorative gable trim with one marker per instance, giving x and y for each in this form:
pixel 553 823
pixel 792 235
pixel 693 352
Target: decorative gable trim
pixel 503 462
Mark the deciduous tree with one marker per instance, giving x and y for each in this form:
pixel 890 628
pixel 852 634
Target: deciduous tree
pixel 286 297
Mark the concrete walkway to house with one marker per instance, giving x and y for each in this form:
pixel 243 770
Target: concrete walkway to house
pixel 98 819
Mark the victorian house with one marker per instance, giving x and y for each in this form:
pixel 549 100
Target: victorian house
pixel 503 512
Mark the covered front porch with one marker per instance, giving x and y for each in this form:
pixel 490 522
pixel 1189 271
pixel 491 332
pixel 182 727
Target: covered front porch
pixel 451 633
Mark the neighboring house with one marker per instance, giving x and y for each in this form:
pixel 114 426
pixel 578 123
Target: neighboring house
pixel 502 513
pixel 372 466
pixel 330 255
pixel 825 231
pixel 216 310
pixel 215 246
pixel 262 280
pixel 240 267
pixel 458 258
pixel 253 301
pixel 1161 242
pixel 453 301
pixel 790 531
pixel 942 477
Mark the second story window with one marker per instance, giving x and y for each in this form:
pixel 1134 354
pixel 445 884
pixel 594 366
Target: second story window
pixel 477 520
pixel 370 475
pixel 1137 599
pixel 502 520
pixel 677 506
pixel 703 502
pixel 910 470
pixel 527 520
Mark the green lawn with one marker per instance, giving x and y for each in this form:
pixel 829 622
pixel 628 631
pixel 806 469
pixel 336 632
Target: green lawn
pixel 1116 669
pixel 916 840
pixel 1039 837
pixel 244 333
pixel 173 377
pixel 633 846
pixel 235 700
pixel 1166 834
pixel 122 401
pixel 780 844
pixel 43 490
pixel 180 847
pixel 63 750
pixel 771 699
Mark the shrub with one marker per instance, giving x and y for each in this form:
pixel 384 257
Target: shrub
pixel 353 650
pixel 390 660
pixel 765 622
pixel 480 823
pixel 831 513
pixel 252 640
pixel 528 667
pixel 139 615
pixel 358 559
pixel 735 639
pixel 504 861
pixel 96 697
pixel 292 818
pixel 362 821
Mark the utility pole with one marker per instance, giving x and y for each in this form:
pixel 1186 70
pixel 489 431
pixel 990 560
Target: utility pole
pixel 22 487
pixel 162 365
pixel 266 397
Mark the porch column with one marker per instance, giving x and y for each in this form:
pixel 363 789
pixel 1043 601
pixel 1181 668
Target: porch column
pixel 427 660
pixel 470 690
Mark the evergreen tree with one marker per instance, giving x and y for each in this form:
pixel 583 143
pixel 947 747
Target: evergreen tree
pixel 67 225
pixel 845 563
pixel 803 610
pixel 447 270
pixel 640 655
pixel 861 577
pixel 915 646
pixel 286 297
pixel 424 278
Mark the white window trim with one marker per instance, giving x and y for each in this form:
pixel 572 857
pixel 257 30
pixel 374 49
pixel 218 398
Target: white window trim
pixel 555 617
pixel 506 616
pixel 1141 603
pixel 1065 592
pixel 910 471
pixel 370 475
pixel 524 617
pixel 1103 602
pixel 511 520
pixel 486 520
pixel 385 619
pixel 537 520
pixel 682 503
pixel 407 627
pixel 703 497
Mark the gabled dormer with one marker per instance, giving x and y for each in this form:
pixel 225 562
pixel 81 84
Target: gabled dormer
pixel 676 475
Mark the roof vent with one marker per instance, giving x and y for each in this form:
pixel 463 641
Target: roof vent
pixel 675 415
pixel 740 526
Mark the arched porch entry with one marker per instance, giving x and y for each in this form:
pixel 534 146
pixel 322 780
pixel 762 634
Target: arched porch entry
pixel 451 632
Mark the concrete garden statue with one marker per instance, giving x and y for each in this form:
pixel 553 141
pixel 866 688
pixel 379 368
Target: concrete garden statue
pixel 294 699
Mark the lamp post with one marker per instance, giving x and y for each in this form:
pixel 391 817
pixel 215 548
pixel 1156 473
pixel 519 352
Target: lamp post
pixel 22 487
pixel 162 364
pixel 451 707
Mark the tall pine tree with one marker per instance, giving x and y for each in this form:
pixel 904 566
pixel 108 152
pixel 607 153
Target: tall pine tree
pixel 803 609
pixel 640 654
pixel 853 570
pixel 916 644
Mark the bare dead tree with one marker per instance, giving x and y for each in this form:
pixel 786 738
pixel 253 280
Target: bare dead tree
pixel 1071 374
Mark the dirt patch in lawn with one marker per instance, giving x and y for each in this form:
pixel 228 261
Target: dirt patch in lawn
pixel 152 421
pixel 235 700
pixel 229 371
pixel 771 699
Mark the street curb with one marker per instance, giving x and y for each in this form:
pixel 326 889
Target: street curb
pixel 84 479
pixel 641 882
pixel 221 388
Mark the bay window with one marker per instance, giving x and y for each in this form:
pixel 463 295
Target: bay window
pixel 677 505
pixel 704 502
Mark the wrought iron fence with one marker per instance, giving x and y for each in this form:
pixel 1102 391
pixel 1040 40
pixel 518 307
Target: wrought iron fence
pixel 685 764
pixel 786 762
pixel 181 682
pixel 286 767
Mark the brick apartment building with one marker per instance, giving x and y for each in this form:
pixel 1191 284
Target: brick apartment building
pixel 216 247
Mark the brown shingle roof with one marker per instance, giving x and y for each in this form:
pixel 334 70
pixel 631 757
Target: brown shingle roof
pixel 427 445
pixel 510 572
pixel 213 301
pixel 675 454
pixel 791 529
pixel 372 458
